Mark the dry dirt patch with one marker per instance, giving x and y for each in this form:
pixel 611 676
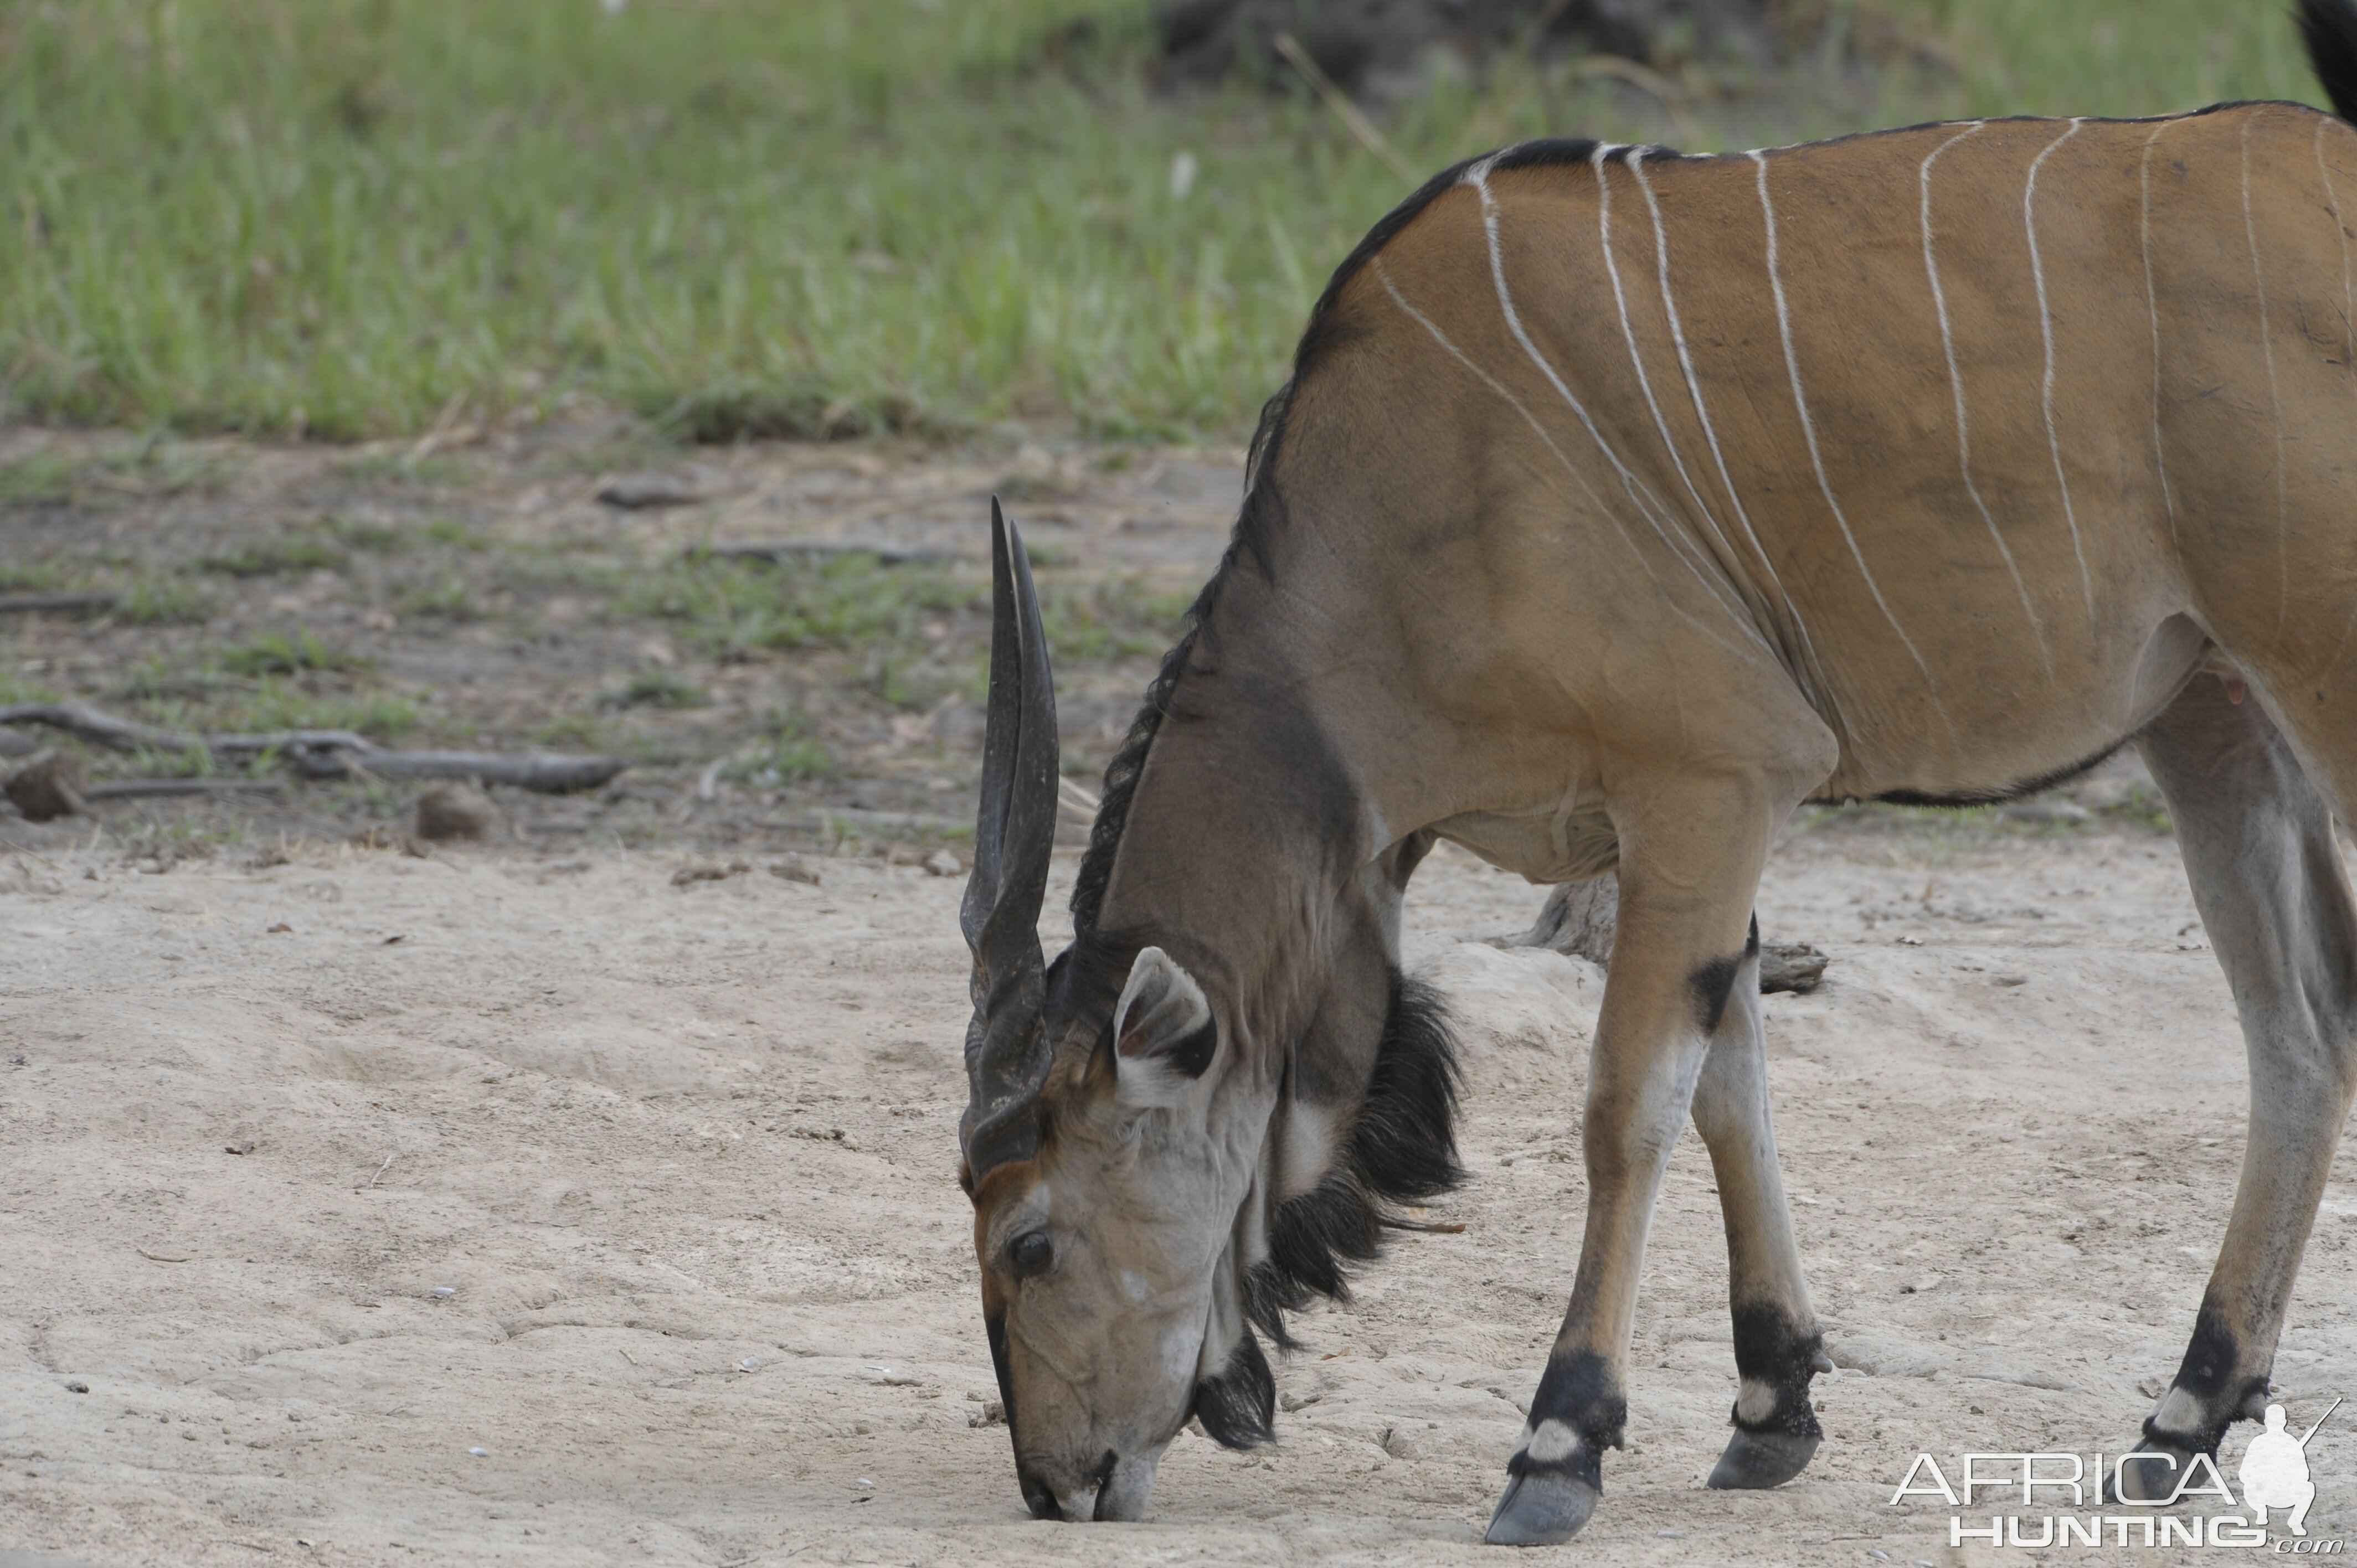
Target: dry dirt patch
pixel 543 1210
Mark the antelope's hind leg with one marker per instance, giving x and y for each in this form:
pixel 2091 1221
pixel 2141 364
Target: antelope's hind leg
pixel 1778 1348
pixel 2257 838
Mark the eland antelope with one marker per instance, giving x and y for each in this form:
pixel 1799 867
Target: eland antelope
pixel 1619 503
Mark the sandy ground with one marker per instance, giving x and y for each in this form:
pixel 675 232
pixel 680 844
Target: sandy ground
pixel 584 1219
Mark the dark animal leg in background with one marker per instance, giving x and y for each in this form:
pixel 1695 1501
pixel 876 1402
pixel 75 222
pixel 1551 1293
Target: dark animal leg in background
pixel 2258 844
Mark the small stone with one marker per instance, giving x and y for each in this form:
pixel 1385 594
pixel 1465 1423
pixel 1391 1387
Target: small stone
pixel 1791 966
pixel 446 1289
pixel 77 1388
pixel 643 492
pixel 455 812
pixel 794 868
pixel 48 785
pixel 749 1364
pixel 709 871
pixel 942 863
pixel 2047 813
pixel 480 1452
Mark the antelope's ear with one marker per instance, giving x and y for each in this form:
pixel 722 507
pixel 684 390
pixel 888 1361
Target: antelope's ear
pixel 1163 1032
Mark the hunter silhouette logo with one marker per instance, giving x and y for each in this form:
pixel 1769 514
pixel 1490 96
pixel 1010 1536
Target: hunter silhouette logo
pixel 2275 1471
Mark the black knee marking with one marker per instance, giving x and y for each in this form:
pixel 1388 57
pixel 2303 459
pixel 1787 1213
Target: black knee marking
pixel 2211 1373
pixel 1714 984
pixel 1773 1350
pixel 1575 1396
pixel 1714 987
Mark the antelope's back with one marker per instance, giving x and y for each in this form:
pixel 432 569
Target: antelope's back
pixel 1954 416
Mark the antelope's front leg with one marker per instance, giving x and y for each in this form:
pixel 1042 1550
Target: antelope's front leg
pixel 1688 870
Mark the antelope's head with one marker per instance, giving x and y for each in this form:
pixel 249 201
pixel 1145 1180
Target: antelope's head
pixel 1145 1187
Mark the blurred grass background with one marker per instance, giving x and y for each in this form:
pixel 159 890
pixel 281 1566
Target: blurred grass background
pixel 354 218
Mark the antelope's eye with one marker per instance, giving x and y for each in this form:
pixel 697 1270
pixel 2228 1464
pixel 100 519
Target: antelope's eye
pixel 1031 1253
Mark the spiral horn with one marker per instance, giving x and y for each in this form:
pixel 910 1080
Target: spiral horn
pixel 1006 1050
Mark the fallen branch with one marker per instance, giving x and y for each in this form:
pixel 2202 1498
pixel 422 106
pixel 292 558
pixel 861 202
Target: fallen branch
pixel 827 819
pixel 1582 918
pixel 1353 119
pixel 785 550
pixel 136 789
pixel 545 773
pixel 99 729
pixel 317 753
pixel 35 604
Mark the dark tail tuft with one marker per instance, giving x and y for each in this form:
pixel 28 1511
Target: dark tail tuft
pixel 2330 28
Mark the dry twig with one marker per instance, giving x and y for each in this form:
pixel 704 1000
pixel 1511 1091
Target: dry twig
pixel 1349 113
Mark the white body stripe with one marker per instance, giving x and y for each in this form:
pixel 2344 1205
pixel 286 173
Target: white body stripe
pixel 1956 384
pixel 2275 391
pixel 2045 330
pixel 1540 430
pixel 1816 457
pixel 1628 332
pixel 1648 506
pixel 1808 676
pixel 2152 303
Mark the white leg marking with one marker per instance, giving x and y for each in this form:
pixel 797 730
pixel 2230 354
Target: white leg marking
pixel 1816 457
pixel 1487 380
pixel 1550 1442
pixel 1964 428
pixel 2152 303
pixel 1812 681
pixel 2274 394
pixel 2045 330
pixel 2177 1411
pixel 1648 505
pixel 1755 1401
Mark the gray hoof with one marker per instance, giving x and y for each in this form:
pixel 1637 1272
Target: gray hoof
pixel 2147 1475
pixel 1542 1507
pixel 1755 1461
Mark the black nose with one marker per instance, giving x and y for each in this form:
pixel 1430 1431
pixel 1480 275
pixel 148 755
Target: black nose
pixel 1037 1497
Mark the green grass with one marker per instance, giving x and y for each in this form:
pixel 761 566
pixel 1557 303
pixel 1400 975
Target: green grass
pixel 1113 619
pixel 729 606
pixel 792 753
pixel 157 600
pixel 658 687
pixel 787 217
pixel 283 705
pixel 447 597
pixel 286 653
pixel 276 557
